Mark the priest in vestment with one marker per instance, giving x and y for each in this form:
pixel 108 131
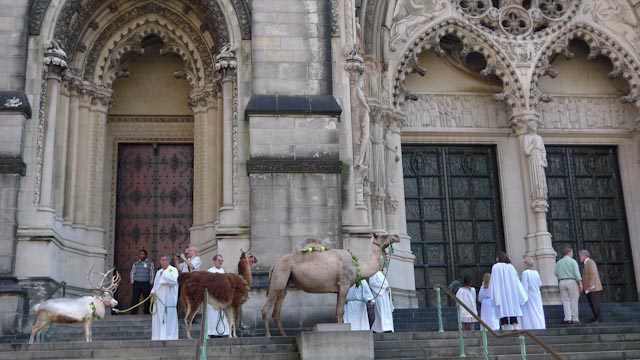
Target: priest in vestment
pixel 384 305
pixel 532 311
pixel 217 324
pixel 506 291
pixel 355 308
pixel 164 321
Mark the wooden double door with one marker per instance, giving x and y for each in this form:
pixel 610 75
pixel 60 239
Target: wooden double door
pixel 453 214
pixel 154 205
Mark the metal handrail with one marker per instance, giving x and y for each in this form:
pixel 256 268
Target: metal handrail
pixel 62 285
pixel 496 334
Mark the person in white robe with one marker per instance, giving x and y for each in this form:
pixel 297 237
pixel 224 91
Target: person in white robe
pixel 217 324
pixel 467 294
pixel 487 311
pixel 355 307
pixel 164 321
pixel 532 311
pixel 506 292
pixel 384 304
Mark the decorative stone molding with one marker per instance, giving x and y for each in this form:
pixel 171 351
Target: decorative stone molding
pixel 472 40
pixel 335 18
pixel 293 166
pixel 102 61
pixel 54 57
pixel 76 15
pixel 513 19
pixel 599 43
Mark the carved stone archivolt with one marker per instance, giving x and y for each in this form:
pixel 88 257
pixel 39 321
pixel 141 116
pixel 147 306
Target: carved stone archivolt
pixel 600 44
pixel 472 40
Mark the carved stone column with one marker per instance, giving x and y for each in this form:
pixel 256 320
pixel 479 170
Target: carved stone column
pixel 392 162
pixel 100 109
pixel 71 154
pixel 80 201
pixel 227 65
pixel 355 68
pixel 377 169
pixel 55 61
pixel 538 240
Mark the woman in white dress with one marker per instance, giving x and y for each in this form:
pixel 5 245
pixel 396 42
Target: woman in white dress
pixel 487 311
pixel 532 311
pixel 467 294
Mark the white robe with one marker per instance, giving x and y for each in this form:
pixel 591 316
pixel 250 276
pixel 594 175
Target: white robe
pixel 215 326
pixel 487 311
pixel 468 297
pixel 355 309
pixel 384 304
pixel 532 311
pixel 164 322
pixel 506 291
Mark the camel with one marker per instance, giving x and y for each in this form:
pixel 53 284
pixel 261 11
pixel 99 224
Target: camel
pixel 325 271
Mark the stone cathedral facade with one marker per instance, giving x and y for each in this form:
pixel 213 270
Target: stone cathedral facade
pixel 466 127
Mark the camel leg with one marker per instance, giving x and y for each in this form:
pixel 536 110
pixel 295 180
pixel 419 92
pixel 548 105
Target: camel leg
pixel 280 294
pixel 36 328
pixel 342 296
pixel 266 309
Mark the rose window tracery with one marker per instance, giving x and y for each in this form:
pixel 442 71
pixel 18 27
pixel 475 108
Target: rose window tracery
pixel 517 18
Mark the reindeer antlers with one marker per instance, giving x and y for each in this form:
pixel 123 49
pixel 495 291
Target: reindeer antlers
pixel 115 280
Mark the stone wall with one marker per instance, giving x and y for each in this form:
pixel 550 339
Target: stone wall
pixel 13 37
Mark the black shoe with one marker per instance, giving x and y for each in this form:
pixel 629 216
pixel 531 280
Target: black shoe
pixel 567 322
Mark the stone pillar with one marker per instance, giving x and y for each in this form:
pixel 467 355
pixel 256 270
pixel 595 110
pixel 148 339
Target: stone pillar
pixel 100 109
pixel 538 239
pixel 71 155
pixel 205 165
pixel 227 65
pixel 55 61
pixel 80 203
pixel 392 164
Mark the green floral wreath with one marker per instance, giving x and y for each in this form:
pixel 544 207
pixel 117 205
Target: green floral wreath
pixel 313 248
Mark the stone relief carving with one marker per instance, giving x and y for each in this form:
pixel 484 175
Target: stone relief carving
pixel 592 112
pixel 361 105
pixel 617 16
pixel 392 158
pixel 456 111
pixel 534 149
pixel 376 172
pixel 410 15
pixel 335 18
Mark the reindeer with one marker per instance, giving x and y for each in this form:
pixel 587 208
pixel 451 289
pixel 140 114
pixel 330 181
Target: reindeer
pixel 80 310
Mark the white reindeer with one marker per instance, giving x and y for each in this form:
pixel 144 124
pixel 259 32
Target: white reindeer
pixel 80 310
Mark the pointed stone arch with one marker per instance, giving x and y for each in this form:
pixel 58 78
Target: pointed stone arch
pixel 472 40
pixel 600 44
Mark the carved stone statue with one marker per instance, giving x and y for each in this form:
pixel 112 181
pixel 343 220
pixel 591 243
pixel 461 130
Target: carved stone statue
pixel 391 161
pixel 534 149
pixel 362 144
pixel 376 173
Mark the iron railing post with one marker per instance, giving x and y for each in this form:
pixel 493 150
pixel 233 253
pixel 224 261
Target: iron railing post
pixel 485 346
pixel 523 347
pixel 462 354
pixel 439 310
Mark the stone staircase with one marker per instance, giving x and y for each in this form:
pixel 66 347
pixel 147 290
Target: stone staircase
pixel 416 337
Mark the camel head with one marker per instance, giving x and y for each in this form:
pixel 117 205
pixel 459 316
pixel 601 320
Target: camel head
pixel 383 241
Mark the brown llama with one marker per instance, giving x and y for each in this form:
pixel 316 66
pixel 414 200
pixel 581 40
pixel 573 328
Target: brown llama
pixel 226 292
pixel 247 259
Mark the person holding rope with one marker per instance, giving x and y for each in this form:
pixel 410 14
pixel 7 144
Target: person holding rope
pixel 383 303
pixel 164 321
pixel 217 324
pixel 142 272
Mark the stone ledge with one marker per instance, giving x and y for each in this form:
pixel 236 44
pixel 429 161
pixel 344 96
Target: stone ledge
pixel 292 105
pixel 15 102
pixel 12 166
pixel 293 166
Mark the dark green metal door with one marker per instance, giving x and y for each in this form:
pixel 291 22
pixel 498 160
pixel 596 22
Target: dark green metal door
pixel 453 213
pixel 586 211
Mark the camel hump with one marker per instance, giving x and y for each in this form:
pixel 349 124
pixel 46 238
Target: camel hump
pixel 312 242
